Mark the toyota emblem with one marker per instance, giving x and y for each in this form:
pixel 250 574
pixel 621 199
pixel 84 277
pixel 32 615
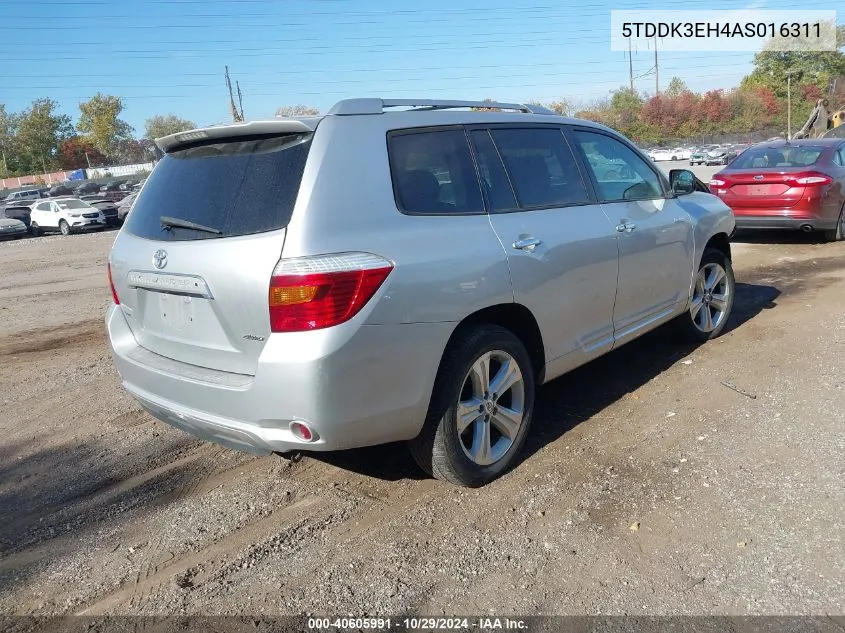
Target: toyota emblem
pixel 160 258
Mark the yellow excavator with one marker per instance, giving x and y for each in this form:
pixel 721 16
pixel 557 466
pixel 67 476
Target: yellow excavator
pixel 824 121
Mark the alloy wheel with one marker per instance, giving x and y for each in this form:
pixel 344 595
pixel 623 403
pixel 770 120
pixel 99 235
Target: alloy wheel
pixel 491 407
pixel 711 297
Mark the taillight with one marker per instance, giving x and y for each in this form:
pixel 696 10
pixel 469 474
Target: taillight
pixel 111 285
pixel 310 293
pixel 809 178
pixel 716 182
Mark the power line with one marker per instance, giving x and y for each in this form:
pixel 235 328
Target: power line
pixel 265 81
pixel 335 71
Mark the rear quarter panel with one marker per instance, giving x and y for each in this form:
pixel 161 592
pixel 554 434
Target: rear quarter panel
pixel 446 267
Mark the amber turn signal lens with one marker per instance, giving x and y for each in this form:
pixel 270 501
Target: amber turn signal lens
pixel 292 295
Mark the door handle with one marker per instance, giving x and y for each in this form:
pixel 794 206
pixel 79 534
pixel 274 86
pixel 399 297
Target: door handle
pixel 626 227
pixel 527 244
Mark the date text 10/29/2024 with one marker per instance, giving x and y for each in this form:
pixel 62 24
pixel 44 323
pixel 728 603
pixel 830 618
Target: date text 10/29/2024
pixel 416 624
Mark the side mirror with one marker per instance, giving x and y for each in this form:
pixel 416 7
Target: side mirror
pixel 682 181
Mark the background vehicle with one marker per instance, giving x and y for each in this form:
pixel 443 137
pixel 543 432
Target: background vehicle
pixel 787 185
pixel 108 207
pixel 57 191
pixel 125 205
pixel 698 156
pixel 493 249
pixel 17 212
pixel 662 154
pixel 87 187
pixel 11 228
pixel 65 215
pixel 24 195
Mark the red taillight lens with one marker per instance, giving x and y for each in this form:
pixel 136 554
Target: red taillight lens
pixel 808 179
pixel 111 285
pixel 717 182
pixel 311 293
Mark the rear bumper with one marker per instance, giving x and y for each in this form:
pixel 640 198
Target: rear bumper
pixel 782 222
pixel 363 386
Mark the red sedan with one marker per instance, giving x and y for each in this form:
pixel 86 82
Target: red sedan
pixel 787 185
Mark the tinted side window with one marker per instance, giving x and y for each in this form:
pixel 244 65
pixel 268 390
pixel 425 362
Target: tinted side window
pixel 839 157
pixel 433 172
pixel 541 166
pixel 494 180
pixel 620 173
pixel 237 186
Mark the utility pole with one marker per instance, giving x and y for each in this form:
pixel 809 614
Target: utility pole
pixel 240 99
pixel 236 116
pixel 789 105
pixel 630 66
pixel 88 159
pixel 656 70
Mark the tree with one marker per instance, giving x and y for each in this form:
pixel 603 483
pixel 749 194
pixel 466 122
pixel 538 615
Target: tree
pixel 164 125
pixel 40 129
pixel 72 153
pixel 130 151
pixel 297 110
pixel 100 120
pixel 676 88
pixel 564 107
pixel 8 126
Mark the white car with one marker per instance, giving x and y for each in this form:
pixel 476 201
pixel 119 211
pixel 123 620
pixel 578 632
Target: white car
pixel 65 215
pixel 681 153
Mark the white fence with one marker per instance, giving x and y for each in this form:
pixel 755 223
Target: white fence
pixel 122 170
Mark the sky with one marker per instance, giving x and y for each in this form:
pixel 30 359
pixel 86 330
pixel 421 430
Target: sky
pixel 168 56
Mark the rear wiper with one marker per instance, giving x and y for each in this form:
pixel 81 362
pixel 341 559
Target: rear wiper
pixel 168 223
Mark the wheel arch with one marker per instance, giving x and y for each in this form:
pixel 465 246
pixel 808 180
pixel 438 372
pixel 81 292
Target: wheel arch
pixel 516 318
pixel 721 242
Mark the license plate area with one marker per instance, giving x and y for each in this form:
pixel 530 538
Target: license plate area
pixel 760 190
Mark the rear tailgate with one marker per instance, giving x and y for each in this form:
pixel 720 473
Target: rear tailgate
pixel 200 295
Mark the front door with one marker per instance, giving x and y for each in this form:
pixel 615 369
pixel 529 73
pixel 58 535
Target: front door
pixel 656 247
pixel 561 246
pixel 45 215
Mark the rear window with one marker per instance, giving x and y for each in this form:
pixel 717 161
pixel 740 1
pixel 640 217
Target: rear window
pixel 433 172
pixel 762 157
pixel 236 187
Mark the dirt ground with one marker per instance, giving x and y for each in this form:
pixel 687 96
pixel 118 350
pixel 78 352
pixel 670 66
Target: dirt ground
pixel 647 486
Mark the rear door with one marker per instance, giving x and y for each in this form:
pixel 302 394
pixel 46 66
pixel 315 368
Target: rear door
pixel 561 246
pixel 200 295
pixel 656 235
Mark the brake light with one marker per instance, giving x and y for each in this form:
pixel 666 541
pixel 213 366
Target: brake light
pixel 111 286
pixel 716 182
pixel 311 293
pixel 809 178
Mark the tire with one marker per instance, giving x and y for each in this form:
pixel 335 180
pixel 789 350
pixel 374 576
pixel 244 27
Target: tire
pixel 35 229
pixel 447 454
pixel 694 325
pixel 837 234
pixel 64 227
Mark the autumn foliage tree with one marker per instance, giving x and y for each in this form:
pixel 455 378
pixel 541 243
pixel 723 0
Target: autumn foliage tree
pixel 72 153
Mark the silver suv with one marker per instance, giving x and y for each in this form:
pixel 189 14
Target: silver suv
pixel 401 271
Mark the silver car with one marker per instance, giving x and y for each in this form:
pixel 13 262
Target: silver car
pixel 401 271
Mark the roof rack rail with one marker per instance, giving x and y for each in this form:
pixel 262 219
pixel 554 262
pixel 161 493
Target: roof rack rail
pixel 378 106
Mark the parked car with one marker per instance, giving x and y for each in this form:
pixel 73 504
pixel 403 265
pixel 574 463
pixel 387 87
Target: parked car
pixel 19 211
pixel 372 276
pixel 65 215
pixel 87 187
pixel 108 207
pixel 128 185
pixel 125 206
pixel 22 196
pixel 797 184
pixel 661 154
pixel 11 229
pixel 114 185
pixel 58 191
pixel 698 157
